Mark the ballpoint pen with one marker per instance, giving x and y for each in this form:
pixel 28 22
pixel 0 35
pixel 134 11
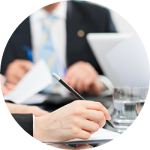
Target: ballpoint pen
pixel 77 95
pixel 29 52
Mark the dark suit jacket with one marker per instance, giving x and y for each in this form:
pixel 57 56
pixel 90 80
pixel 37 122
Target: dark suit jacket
pixel 25 121
pixel 80 16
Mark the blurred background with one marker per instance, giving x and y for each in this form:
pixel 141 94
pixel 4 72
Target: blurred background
pixel 121 24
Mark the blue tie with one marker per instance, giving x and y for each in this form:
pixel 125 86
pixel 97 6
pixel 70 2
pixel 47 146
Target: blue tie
pixel 48 53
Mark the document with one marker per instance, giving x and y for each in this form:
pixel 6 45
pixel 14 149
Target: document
pixel 129 63
pixel 36 99
pixel 101 134
pixel 34 81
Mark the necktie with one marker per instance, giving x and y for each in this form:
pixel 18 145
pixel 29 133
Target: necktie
pixel 48 53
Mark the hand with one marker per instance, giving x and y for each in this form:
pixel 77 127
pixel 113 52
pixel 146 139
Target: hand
pixel 83 77
pixel 17 69
pixel 78 146
pixel 5 88
pixel 24 109
pixel 78 119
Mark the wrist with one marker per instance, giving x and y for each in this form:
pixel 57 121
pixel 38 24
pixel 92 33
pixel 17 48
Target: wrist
pixel 36 132
pixel 40 131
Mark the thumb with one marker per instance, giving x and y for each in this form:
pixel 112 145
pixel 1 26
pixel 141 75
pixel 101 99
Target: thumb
pixel 26 64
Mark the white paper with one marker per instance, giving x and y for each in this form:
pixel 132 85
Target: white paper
pixel 129 61
pixel 35 80
pixel 101 134
pixel 36 99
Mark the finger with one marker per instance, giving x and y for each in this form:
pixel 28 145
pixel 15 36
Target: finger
pixel 94 115
pixel 38 112
pixel 10 86
pixel 89 126
pixel 91 69
pixel 41 113
pixel 87 83
pixel 21 72
pixel 101 123
pixel 70 72
pixel 4 90
pixel 25 64
pixel 82 134
pixel 15 74
pixel 96 106
pixel 12 79
pixel 75 68
pixel 73 81
pixel 79 86
pixel 68 77
pixel 83 146
pixel 80 83
pixel 96 87
pixel 2 79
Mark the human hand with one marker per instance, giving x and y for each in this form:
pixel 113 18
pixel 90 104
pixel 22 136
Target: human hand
pixel 5 88
pixel 25 109
pixel 78 146
pixel 83 77
pixel 78 119
pixel 17 69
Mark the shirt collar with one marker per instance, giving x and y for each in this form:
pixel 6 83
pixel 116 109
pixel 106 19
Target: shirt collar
pixel 59 12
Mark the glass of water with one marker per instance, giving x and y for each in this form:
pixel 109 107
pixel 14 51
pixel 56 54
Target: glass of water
pixel 127 102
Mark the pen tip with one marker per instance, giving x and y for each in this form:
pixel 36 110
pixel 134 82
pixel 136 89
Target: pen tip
pixel 109 123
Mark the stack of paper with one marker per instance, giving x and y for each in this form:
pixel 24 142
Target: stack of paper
pixel 34 81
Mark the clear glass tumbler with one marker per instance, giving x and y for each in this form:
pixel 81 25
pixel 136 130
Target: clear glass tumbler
pixel 127 102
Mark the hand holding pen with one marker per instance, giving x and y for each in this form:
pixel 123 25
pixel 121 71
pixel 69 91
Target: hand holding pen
pixel 77 95
pixel 17 69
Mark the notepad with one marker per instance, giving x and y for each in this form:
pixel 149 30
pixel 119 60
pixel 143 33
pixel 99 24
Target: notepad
pixel 34 81
pixel 101 134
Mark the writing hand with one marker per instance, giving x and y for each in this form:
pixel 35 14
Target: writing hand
pixel 16 70
pixel 78 119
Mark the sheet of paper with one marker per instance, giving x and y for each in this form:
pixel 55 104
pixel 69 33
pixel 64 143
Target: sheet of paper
pixel 129 62
pixel 36 99
pixel 101 134
pixel 34 81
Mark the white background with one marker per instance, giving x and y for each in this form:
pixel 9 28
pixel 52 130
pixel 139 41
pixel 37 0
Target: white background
pixel 121 24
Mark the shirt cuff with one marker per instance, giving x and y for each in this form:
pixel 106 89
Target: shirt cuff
pixel 33 122
pixel 107 86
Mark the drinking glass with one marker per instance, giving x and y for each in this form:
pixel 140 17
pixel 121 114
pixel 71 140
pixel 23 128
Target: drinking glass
pixel 127 102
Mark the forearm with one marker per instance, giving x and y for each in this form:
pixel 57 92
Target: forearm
pixel 15 108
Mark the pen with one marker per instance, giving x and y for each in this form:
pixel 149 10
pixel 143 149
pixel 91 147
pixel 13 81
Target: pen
pixel 77 95
pixel 29 52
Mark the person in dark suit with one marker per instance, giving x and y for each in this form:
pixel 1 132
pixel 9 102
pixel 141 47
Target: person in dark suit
pixel 81 18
